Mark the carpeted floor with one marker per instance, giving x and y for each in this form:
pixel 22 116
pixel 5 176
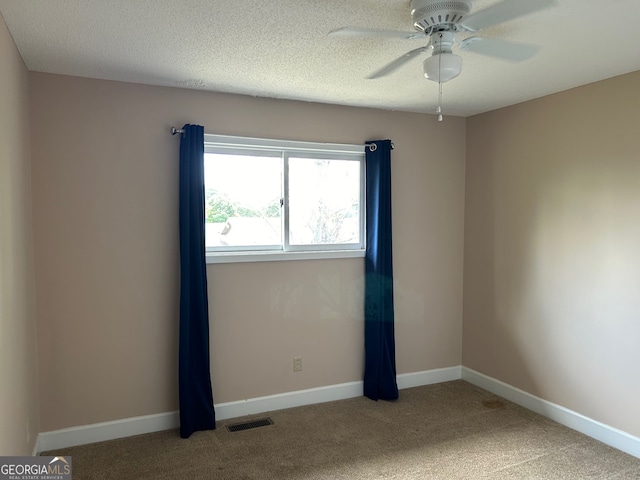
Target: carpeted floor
pixel 446 431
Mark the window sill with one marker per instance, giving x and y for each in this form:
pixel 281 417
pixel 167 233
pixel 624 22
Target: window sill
pixel 241 257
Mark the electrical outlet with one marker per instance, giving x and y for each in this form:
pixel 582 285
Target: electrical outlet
pixel 297 364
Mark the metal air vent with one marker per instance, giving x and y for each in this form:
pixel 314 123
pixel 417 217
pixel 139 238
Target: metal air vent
pixel 260 422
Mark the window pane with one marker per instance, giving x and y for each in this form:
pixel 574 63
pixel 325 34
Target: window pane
pixel 324 201
pixel 242 200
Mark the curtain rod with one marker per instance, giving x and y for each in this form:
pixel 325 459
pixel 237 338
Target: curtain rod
pixel 175 131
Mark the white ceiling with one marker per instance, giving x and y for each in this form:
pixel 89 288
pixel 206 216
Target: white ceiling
pixel 280 49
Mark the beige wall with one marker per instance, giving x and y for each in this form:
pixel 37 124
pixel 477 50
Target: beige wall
pixel 18 378
pixel 105 201
pixel 552 249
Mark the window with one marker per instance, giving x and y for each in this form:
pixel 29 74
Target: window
pixel 273 200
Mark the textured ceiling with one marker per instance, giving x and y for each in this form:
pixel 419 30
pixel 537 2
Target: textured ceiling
pixel 280 49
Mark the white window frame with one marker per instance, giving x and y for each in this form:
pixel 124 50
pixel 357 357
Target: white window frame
pixel 287 149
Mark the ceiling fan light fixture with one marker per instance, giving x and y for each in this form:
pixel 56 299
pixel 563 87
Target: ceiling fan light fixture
pixel 442 67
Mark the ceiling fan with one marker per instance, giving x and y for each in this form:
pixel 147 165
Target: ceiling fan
pixel 439 21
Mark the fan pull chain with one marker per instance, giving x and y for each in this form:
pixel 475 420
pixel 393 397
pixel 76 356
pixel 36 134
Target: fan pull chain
pixel 439 109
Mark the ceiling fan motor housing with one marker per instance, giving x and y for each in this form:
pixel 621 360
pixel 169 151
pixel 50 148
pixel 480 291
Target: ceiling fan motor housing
pixel 435 15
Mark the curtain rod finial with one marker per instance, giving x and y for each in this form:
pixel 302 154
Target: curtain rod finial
pixel 175 131
pixel 373 147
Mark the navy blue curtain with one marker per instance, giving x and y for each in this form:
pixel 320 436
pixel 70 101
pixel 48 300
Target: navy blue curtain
pixel 196 398
pixel 379 338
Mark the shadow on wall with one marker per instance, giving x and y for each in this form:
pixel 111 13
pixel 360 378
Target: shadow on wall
pixel 497 335
pixel 581 274
pixel 551 272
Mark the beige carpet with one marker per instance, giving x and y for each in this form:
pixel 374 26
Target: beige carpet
pixel 445 431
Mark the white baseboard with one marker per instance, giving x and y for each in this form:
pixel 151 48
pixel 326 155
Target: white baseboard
pixel 428 377
pixel 604 433
pixel 280 401
pixel 36 447
pixel 127 427
pixel 330 393
pixel 99 432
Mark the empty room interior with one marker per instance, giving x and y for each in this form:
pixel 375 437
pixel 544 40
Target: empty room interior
pixel 515 219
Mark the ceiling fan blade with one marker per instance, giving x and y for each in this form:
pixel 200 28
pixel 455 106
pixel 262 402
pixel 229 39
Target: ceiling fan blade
pixel 515 52
pixel 397 63
pixel 502 12
pixel 372 32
